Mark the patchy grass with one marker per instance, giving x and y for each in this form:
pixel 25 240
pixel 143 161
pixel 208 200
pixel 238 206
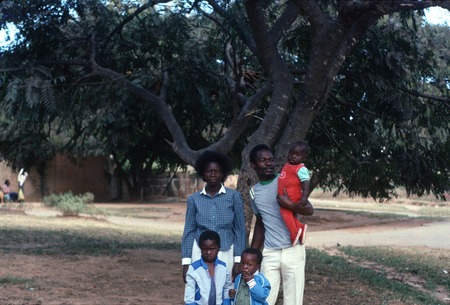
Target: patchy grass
pixel 136 212
pixel 368 287
pixel 376 215
pixel 57 235
pixel 329 279
pixel 15 280
pixel 432 265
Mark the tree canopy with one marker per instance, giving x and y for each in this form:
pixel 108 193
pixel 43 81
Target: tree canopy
pixel 366 83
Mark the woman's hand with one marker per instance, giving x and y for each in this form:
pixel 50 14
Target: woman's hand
pixel 185 270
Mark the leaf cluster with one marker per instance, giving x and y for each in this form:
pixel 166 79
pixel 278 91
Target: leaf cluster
pixel 372 137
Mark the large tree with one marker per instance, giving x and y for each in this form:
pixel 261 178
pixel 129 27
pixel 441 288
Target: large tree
pixel 348 76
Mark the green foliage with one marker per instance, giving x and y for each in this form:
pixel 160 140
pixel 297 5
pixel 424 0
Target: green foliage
pixel 370 137
pixel 71 205
pixel 375 132
pixel 100 117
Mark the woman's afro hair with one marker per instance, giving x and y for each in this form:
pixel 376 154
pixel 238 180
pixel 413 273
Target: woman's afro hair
pixel 210 156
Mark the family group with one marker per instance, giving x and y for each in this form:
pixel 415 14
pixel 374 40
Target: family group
pixel 218 267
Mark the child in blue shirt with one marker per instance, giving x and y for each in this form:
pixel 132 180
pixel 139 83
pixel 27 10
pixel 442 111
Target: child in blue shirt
pixel 251 286
pixel 208 280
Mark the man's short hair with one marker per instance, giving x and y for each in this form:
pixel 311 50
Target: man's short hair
pixel 209 235
pixel 255 151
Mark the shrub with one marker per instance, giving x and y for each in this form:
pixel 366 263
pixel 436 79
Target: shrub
pixel 71 205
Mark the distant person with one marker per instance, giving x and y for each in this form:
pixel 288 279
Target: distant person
pixel 293 181
pixel 251 287
pixel 21 180
pixel 9 196
pixel 216 208
pixel 208 280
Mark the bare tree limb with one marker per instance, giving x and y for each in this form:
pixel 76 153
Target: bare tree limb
pixel 416 93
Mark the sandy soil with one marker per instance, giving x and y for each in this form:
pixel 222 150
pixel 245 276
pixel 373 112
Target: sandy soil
pixel 154 277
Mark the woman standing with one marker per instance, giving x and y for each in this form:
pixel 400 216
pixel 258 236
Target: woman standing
pixel 215 208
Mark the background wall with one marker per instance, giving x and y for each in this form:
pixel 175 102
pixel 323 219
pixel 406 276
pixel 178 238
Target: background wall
pixel 93 174
pixel 87 175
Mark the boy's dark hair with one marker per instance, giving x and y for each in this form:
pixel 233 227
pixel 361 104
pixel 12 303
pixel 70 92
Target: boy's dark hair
pixel 302 144
pixel 255 151
pixel 259 256
pixel 209 235
pixel 213 156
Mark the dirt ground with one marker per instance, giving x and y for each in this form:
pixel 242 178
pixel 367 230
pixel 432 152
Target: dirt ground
pixel 153 277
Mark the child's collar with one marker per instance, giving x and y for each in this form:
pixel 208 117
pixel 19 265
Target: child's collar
pixel 204 263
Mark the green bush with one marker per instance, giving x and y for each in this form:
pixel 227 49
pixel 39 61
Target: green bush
pixel 70 204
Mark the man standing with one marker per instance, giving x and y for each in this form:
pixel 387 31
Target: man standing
pixel 282 261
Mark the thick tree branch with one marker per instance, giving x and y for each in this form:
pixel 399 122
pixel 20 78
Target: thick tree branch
pixel 277 70
pixel 238 125
pixel 284 22
pixel 416 93
pixel 179 143
pixel 312 11
pixel 180 147
pixel 388 7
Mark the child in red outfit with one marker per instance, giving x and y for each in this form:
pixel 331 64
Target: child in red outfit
pixel 293 181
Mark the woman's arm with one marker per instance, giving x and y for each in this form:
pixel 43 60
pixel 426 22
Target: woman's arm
pixel 240 235
pixel 187 241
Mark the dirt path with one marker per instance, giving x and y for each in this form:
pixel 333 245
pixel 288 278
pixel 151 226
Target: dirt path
pixel 327 228
pixel 404 233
